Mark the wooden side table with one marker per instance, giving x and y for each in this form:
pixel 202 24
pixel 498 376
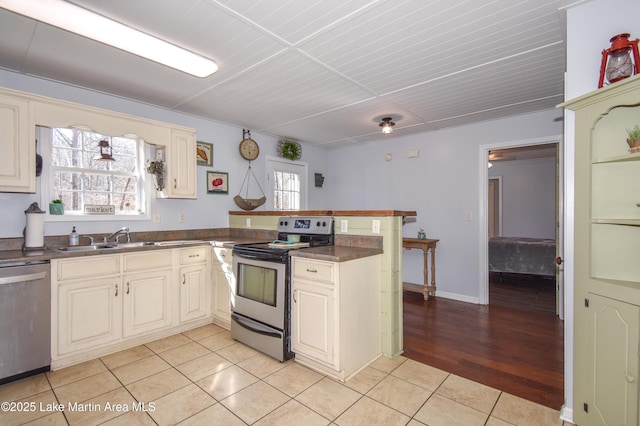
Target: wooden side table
pixel 429 245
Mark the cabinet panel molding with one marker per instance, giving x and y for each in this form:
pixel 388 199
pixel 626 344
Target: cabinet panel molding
pixel 17 146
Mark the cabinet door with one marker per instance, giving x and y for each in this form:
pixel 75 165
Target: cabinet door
pixel 182 165
pixel 612 376
pixel 89 315
pixel 194 302
pixel 17 148
pixel 313 323
pixel 146 302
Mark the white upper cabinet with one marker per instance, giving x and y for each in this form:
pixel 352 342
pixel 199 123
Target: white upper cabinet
pixel 21 112
pixel 181 162
pixel 17 145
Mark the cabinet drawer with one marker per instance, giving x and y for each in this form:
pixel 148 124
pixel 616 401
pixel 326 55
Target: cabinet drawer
pixel 189 256
pixel 147 260
pixel 90 266
pixel 313 270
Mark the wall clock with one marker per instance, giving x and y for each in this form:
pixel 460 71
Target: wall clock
pixel 249 149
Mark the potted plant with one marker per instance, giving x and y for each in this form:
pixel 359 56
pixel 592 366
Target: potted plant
pixel 156 168
pixel 633 139
pixel 56 207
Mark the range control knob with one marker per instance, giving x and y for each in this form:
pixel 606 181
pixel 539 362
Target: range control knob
pixel 324 223
pixel 318 223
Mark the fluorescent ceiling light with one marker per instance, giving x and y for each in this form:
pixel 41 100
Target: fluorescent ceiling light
pixel 96 27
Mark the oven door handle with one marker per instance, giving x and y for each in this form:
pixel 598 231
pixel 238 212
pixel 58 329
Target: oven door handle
pixel 261 256
pixel 241 323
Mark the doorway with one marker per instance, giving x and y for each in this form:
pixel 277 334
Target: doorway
pixel 492 219
pixel 521 260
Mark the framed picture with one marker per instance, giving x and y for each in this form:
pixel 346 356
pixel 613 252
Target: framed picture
pixel 217 183
pixel 204 153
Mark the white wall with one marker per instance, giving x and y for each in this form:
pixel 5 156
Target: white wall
pixel 589 28
pixel 441 185
pixel 208 211
pixel 528 197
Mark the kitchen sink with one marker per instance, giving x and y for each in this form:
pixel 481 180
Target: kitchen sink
pixel 70 249
pixel 136 244
pixel 115 246
pixel 178 242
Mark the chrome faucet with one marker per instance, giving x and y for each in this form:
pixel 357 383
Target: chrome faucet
pixel 122 231
pixel 92 242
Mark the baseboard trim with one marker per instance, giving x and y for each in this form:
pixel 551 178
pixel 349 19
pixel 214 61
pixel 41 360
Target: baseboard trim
pixel 458 297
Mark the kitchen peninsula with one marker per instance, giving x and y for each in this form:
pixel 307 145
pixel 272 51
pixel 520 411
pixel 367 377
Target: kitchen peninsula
pixel 363 229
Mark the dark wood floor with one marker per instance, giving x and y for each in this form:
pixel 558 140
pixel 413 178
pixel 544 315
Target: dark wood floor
pixel 514 344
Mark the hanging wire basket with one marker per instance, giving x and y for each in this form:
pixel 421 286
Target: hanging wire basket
pixel 246 203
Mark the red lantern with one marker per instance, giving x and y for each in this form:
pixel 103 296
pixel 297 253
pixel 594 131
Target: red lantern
pixel 616 60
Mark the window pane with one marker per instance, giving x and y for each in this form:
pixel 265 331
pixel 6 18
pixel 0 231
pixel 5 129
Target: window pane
pixel 78 179
pixel 286 191
pixel 66 180
pixel 123 164
pixel 71 200
pixel 126 184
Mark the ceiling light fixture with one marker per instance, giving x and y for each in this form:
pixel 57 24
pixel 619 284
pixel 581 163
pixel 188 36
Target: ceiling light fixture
pixel 88 24
pixel 387 125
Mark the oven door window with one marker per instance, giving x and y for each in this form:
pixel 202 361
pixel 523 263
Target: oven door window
pixel 257 283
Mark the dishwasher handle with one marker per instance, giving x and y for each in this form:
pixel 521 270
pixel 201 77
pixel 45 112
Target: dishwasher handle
pixel 22 278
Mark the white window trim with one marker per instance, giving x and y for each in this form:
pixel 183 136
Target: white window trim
pixel 43 135
pixel 282 165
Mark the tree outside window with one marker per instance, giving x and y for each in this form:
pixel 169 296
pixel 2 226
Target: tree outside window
pixel 78 179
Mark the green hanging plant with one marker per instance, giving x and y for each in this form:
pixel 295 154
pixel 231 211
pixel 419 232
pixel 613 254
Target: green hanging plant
pixel 290 150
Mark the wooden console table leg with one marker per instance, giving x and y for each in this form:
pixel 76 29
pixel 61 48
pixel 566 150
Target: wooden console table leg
pixel 426 290
pixel 432 290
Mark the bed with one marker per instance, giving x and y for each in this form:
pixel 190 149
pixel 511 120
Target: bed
pixel 522 255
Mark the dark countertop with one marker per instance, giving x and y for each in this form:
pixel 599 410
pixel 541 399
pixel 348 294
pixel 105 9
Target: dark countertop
pixel 18 256
pixel 347 247
pixel 373 213
pixel 336 253
pixel 328 253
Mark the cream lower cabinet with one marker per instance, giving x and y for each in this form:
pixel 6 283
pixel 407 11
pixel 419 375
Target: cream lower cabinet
pixel 195 294
pixel 146 291
pixel 223 280
pixel 335 314
pixel 87 311
pixel 110 302
pixel 606 269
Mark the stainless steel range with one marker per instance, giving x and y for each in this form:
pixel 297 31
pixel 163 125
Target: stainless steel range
pixel 261 312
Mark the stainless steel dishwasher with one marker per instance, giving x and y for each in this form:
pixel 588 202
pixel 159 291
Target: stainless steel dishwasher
pixel 25 320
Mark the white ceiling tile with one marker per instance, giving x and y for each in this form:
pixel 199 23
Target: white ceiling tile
pixel 319 71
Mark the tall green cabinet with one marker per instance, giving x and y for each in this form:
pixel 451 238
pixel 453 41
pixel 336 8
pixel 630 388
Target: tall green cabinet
pixel 607 256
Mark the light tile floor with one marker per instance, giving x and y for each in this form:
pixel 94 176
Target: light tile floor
pixel 204 377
